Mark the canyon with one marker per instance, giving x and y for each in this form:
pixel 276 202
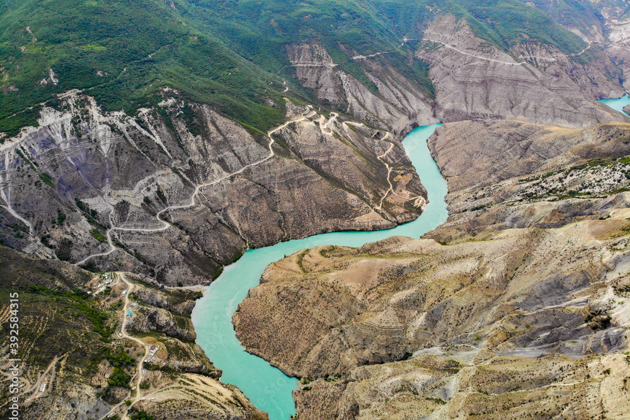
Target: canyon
pixel 516 306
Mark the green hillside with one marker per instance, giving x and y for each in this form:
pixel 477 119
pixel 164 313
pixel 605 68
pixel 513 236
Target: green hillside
pixel 228 53
pixel 506 22
pixel 123 51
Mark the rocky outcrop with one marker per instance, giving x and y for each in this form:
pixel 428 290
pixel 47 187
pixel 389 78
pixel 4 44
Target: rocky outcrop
pixel 579 175
pixel 147 319
pixel 379 302
pixel 520 295
pixel 470 385
pixel 514 295
pixel 397 103
pixel 474 79
pixel 178 191
pixel 198 397
pixel 483 153
pixel 179 302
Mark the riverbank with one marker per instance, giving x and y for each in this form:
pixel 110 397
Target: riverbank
pixel 267 387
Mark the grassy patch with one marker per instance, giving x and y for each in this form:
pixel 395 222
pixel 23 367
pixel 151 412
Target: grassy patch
pixel 47 179
pixel 98 235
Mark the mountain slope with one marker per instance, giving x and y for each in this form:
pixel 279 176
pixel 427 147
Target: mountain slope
pixel 74 360
pixel 166 137
pixel 123 53
pixel 230 54
pixel 155 116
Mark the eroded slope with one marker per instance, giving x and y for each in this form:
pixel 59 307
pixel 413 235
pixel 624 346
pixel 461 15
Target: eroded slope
pixel 518 306
pixel 178 191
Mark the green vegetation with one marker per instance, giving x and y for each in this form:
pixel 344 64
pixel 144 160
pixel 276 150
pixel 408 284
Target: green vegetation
pixel 123 52
pixel 98 235
pixel 57 317
pixel 582 15
pixel 47 179
pixel 120 359
pixel 61 217
pixel 227 53
pixel 507 22
pixel 118 378
pixel 140 415
pixel 64 250
pixel 79 300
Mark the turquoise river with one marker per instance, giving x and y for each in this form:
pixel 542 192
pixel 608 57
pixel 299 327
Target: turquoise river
pixel 266 386
pixel 617 103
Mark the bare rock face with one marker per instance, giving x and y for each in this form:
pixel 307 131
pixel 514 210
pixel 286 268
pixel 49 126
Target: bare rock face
pixel 474 79
pixel 450 385
pixel 499 302
pixel 382 301
pixel 618 30
pixel 175 301
pixel 397 105
pixel 199 397
pixel 482 153
pixel 517 305
pixel 178 191
pixel 147 319
pixel 577 174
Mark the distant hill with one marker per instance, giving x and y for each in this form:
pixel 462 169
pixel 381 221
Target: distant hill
pixel 228 53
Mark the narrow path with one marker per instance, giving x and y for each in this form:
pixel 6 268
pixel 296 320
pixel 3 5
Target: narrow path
pixel 365 57
pixel 38 383
pixel 389 172
pixel 418 200
pixel 515 63
pixel 329 65
pixel 193 199
pixel 123 331
pixel 324 125
pixel 474 55
pixel 588 47
pixel 380 157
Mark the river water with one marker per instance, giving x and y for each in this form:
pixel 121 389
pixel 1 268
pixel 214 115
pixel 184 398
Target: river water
pixel 617 103
pixel 267 387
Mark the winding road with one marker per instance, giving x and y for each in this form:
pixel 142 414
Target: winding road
pixel 325 129
pixel 515 63
pixel 193 198
pixel 123 331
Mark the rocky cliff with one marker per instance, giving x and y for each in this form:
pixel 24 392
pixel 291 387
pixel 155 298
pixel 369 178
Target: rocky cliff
pixel 461 313
pixel 395 102
pixel 177 190
pixel 517 306
pixel 474 79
